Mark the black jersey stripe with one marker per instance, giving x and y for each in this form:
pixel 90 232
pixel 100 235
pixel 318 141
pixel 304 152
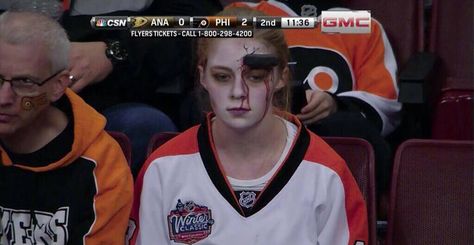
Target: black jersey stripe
pixel 277 183
pixel 212 168
pixel 286 171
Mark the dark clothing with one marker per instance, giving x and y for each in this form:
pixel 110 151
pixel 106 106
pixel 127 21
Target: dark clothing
pixel 156 67
pixel 353 124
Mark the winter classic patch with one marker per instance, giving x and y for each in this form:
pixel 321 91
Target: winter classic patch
pixel 189 222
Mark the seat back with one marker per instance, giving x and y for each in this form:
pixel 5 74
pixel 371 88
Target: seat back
pixel 124 143
pixel 158 139
pixel 431 198
pixel 451 39
pixel 359 157
pixel 453 115
pixel 357 153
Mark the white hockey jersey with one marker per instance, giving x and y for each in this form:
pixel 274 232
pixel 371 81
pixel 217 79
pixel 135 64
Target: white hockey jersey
pixel 183 197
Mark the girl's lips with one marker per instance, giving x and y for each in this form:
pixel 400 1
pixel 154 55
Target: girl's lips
pixel 238 111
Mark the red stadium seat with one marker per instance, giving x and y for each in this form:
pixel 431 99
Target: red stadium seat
pixel 124 143
pixel 451 39
pixel 432 193
pixel 359 156
pixel 158 139
pixel 357 153
pixel 453 115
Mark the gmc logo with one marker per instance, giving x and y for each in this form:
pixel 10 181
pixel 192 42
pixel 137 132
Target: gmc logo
pixel 345 21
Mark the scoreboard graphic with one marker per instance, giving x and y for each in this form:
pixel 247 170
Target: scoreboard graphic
pixel 348 22
pixel 198 26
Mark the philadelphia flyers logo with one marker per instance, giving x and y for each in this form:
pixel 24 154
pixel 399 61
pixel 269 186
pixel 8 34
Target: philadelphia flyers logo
pixel 321 69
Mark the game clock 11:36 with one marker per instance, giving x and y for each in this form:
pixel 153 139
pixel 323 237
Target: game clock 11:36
pixel 297 22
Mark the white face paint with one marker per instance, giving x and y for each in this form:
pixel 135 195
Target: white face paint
pixel 237 102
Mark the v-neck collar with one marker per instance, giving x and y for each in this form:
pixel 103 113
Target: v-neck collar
pixel 215 169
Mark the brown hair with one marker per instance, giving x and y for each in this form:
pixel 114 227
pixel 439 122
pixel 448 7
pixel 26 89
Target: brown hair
pixel 271 37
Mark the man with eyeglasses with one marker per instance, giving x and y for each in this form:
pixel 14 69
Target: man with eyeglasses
pixel 63 179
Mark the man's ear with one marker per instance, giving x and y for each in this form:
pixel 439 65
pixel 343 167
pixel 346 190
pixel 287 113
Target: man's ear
pixel 284 79
pixel 201 76
pixel 59 85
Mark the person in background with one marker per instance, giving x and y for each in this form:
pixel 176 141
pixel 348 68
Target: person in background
pixel 142 93
pixel 63 179
pixel 106 68
pixel 232 179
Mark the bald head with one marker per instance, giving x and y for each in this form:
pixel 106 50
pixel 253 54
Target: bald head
pixel 28 28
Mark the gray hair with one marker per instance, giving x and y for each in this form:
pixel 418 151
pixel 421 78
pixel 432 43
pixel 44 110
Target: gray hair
pixel 29 28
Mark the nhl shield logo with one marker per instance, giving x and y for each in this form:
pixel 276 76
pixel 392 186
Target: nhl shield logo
pixel 247 199
pixel 189 222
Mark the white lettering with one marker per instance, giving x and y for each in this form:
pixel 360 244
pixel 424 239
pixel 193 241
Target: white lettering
pixel 19 226
pixel 357 22
pixel 159 22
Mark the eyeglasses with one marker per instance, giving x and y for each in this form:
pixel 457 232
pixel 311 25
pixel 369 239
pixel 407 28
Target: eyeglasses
pixel 26 86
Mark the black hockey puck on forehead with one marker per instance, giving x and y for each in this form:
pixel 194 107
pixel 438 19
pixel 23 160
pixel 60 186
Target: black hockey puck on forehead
pixel 260 61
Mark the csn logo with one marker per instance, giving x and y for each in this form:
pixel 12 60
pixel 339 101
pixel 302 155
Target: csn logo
pixel 107 22
pixel 357 22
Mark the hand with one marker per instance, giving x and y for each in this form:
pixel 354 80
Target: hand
pixel 320 105
pixel 88 64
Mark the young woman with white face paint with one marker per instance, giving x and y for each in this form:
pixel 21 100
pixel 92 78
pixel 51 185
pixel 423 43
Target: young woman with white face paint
pixel 251 173
pixel 249 137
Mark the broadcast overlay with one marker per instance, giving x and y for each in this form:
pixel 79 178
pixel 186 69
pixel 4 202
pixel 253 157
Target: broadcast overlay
pixel 354 22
